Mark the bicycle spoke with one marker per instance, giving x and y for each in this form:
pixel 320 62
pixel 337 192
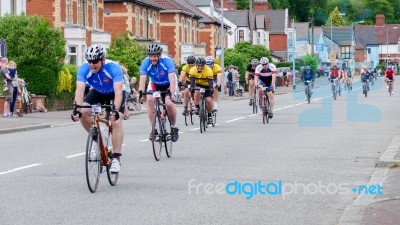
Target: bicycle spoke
pixel 93 161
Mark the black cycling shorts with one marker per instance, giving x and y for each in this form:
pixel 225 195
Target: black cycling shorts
pixel 93 97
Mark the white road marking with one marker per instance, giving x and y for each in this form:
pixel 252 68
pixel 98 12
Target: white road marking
pixel 76 155
pixel 20 168
pixel 234 119
pixel 144 140
pixel 195 128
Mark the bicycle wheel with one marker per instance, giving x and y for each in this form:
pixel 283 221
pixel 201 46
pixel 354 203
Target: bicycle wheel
pixel 93 161
pixel 255 103
pixel 264 111
pixel 202 115
pixel 214 116
pixel 308 93
pixel 268 110
pixel 169 145
pixel 112 177
pixel 187 118
pixel 156 139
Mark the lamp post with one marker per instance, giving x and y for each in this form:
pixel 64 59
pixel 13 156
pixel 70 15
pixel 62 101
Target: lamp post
pixel 387 44
pixel 222 50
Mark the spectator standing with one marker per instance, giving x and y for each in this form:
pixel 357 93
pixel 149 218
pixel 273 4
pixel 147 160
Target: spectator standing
pixel 230 85
pixel 235 78
pixel 8 94
pixel 12 70
pixel 126 88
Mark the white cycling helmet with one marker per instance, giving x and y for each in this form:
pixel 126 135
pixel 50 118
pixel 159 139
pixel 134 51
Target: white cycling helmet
pixel 95 52
pixel 264 60
pixel 209 60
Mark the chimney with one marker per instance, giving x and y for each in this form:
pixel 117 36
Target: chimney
pixel 380 20
pixel 260 5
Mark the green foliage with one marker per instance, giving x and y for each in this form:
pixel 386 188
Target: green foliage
pixel 38 50
pixel 41 80
pixel 381 7
pixel 282 64
pixel 311 60
pixel 32 41
pixel 180 69
pixel 242 4
pixel 128 52
pixel 301 61
pixel 296 66
pixel 252 51
pixel 237 59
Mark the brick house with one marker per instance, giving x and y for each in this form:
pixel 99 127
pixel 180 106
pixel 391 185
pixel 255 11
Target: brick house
pixel 81 22
pixel 140 18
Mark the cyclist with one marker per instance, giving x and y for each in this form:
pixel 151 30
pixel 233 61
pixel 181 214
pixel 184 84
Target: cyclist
pixel 184 80
pixel 334 73
pixel 389 76
pixel 162 73
pixel 308 75
pixel 217 73
pixel 250 78
pixel 202 76
pixel 106 80
pixel 366 76
pixel 265 75
pixel 349 79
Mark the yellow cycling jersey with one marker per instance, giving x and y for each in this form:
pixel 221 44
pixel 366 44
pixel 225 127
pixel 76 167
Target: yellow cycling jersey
pixel 202 77
pixel 186 69
pixel 216 69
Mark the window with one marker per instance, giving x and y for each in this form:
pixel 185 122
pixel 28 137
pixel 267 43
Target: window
pixel 68 11
pixel 195 33
pixel 345 52
pixel 188 27
pixel 137 23
pixel 183 30
pixel 82 12
pixel 155 26
pixel 94 14
pixel 241 35
pixel 13 6
pixel 258 37
pixel 72 54
pixel 145 23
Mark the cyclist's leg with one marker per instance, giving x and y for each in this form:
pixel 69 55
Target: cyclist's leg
pixel 150 105
pixel 216 92
pixel 271 101
pixel 251 88
pixel 118 132
pixel 91 98
pixel 186 97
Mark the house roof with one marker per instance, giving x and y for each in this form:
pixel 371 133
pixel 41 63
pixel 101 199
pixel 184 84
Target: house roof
pixel 180 5
pixel 341 35
pixel 373 35
pixel 151 4
pixel 277 20
pixel 239 17
pixel 202 3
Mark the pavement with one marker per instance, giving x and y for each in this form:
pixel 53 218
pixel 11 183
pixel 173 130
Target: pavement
pixel 366 210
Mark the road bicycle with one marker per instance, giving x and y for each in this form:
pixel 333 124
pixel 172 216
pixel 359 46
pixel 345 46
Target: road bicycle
pixel 307 90
pixel 365 87
pixel 266 106
pixel 333 86
pixel 98 146
pixel 203 113
pixel 390 86
pixel 160 138
pixel 132 103
pixel 26 98
pixel 255 100
pixel 190 115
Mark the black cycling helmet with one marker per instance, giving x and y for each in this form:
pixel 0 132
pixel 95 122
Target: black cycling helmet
pixel 95 52
pixel 254 62
pixel 153 49
pixel 191 59
pixel 200 61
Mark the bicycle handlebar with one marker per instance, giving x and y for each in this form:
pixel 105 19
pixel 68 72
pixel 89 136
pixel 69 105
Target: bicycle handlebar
pixel 75 112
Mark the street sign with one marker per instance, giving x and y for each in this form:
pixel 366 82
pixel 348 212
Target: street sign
pixel 320 47
pixel 3 48
pixel 332 57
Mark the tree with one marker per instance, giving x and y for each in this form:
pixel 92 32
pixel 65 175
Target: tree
pixel 37 48
pixel 128 52
pixel 310 60
pixel 335 17
pixel 242 4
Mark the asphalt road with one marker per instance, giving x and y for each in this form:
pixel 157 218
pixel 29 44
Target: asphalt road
pixel 323 150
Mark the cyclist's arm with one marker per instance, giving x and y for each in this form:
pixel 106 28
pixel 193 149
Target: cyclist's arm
pixel 142 82
pixel 246 76
pixel 219 78
pixel 191 82
pixel 273 79
pixel 182 77
pixel 79 92
pixel 172 82
pixel 118 94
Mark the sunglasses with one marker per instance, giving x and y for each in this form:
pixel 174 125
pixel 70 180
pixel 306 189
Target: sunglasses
pixel 200 65
pixel 93 61
pixel 265 64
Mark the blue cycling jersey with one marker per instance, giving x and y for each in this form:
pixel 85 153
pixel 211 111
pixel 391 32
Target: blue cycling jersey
pixel 159 73
pixel 103 81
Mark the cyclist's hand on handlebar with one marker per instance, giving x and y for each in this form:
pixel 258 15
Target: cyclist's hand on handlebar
pixel 76 115
pixel 141 97
pixel 115 115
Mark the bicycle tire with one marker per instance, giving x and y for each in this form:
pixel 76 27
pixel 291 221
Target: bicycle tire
pixel 93 161
pixel 214 116
pixel 191 111
pixel 156 140
pixel 308 93
pixel 268 109
pixel 168 143
pixel 255 102
pixel 187 119
pixel 202 113
pixel 112 177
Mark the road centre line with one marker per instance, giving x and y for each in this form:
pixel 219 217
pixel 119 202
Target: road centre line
pixel 235 119
pixel 20 168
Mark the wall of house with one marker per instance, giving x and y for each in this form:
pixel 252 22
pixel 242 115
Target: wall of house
pixel 279 42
